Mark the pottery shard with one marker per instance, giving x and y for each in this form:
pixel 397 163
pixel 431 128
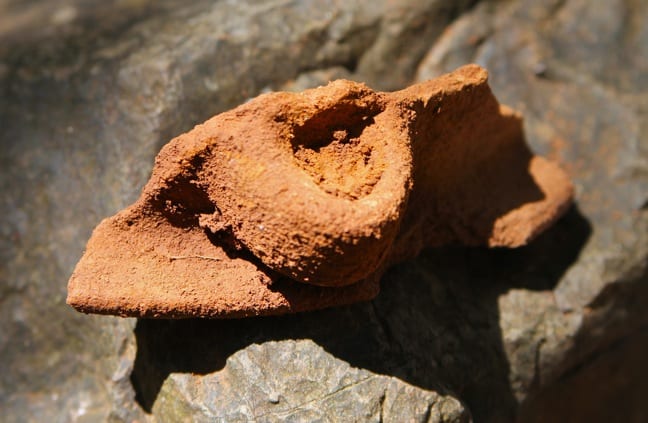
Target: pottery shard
pixel 295 202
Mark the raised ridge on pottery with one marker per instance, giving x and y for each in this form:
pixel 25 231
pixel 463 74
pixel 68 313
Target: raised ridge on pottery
pixel 300 201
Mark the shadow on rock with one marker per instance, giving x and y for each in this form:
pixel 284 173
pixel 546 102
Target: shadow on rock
pixel 434 325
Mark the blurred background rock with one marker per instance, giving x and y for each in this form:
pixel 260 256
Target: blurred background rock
pixel 556 331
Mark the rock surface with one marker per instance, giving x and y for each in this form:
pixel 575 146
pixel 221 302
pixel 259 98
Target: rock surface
pixel 89 95
pixel 328 187
pixel 299 381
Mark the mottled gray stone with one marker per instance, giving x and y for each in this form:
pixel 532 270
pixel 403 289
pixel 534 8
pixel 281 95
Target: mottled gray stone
pixel 298 381
pixel 89 91
pixel 576 70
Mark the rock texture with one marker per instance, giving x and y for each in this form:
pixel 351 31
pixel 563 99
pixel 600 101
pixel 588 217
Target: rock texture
pixel 316 188
pixel 555 330
pixel 332 390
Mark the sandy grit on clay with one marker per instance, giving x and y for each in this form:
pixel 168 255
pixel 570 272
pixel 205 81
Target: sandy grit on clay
pixel 295 202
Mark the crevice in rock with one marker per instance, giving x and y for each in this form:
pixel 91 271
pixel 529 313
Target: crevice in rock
pixel 428 412
pixel 381 407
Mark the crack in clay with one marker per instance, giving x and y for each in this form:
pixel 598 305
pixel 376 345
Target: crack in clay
pixel 193 257
pixel 301 201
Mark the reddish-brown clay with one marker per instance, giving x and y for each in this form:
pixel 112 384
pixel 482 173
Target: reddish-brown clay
pixel 295 202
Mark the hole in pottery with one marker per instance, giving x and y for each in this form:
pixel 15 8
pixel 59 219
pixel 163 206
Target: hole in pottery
pixel 336 149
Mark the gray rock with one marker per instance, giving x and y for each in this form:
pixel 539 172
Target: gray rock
pixel 298 381
pixel 553 331
pixel 573 69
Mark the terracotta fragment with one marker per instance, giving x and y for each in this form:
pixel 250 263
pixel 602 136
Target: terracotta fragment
pixel 295 202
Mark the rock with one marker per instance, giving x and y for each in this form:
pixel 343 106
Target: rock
pixel 547 69
pixel 552 330
pixel 102 90
pixel 316 188
pixel 332 388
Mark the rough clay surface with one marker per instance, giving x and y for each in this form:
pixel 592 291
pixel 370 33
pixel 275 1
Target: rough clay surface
pixel 554 331
pixel 327 187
